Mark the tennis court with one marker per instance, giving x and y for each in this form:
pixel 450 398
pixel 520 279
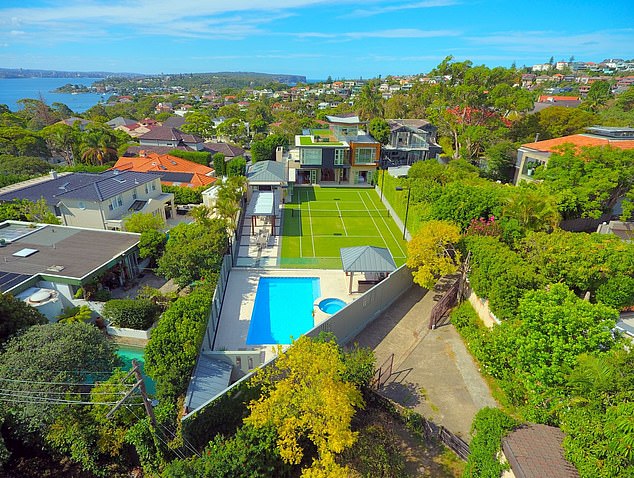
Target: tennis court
pixel 320 221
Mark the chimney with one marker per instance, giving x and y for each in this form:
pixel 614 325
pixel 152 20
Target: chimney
pixel 53 174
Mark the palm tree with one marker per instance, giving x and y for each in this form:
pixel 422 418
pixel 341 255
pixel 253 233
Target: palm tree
pixel 97 147
pixel 369 103
pixel 534 209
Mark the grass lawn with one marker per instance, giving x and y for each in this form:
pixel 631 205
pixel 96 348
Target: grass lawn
pixel 313 230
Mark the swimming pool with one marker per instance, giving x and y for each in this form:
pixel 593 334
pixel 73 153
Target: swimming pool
pixel 127 353
pixel 283 309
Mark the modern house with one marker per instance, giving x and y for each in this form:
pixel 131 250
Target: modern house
pixel 97 201
pixel 174 171
pixel 411 140
pixel 341 154
pixel 532 155
pixel 46 264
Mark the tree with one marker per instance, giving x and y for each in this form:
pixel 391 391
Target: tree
pixel 98 147
pixel 557 121
pixel 543 343
pixel 194 251
pixel 63 140
pixel 228 200
pixel 304 397
pixel 220 166
pixel 369 103
pixel 431 253
pixel 379 130
pixel 39 212
pixel 233 129
pixel 140 222
pixel 265 150
pixel 50 360
pixel 16 315
pixel 597 96
pixel 152 245
pixel 199 123
pixel 588 182
pixel 533 208
pixel 237 167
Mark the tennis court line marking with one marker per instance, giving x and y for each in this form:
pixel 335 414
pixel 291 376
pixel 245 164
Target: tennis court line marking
pixel 388 228
pixel 310 221
pixel 341 219
pixel 373 221
pixel 332 236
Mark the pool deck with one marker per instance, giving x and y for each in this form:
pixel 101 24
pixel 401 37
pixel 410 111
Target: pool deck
pixel 240 297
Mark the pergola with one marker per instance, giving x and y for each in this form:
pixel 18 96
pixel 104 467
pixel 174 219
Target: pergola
pixel 366 259
pixel 262 205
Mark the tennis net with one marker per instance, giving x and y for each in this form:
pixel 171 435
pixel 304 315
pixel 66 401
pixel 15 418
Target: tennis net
pixel 340 213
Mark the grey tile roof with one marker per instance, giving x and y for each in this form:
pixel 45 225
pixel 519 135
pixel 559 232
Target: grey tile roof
pixel 82 186
pixel 535 451
pixel 367 259
pixel 266 172
pixel 210 377
pixel 167 133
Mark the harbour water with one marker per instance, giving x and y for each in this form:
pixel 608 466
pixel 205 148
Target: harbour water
pixel 14 89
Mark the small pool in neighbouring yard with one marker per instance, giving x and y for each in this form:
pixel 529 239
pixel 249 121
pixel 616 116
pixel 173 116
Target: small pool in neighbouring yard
pixel 283 308
pixel 331 305
pixel 129 353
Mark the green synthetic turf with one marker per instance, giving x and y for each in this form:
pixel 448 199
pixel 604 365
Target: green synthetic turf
pixel 313 241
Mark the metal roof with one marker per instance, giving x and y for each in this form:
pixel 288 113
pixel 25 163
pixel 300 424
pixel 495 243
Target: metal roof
pixel 266 172
pixel 210 377
pixel 262 203
pixel 82 186
pixel 367 259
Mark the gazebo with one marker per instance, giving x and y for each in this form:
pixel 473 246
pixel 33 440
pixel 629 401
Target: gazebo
pixel 366 259
pixel 262 204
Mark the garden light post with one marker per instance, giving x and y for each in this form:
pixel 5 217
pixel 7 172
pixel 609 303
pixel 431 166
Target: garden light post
pixel 409 192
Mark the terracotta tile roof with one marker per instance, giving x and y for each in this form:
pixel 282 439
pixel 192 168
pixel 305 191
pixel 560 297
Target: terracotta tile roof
pixel 579 141
pixel 164 163
pixel 535 451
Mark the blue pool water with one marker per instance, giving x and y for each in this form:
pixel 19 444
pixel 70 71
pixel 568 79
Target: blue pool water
pixel 127 354
pixel 330 306
pixel 283 309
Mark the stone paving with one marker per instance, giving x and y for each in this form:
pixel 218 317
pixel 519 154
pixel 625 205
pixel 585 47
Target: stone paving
pixel 432 372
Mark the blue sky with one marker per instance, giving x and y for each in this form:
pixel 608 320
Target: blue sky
pixel 342 38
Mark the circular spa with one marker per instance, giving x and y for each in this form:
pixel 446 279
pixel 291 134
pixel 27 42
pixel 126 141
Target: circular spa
pixel 331 305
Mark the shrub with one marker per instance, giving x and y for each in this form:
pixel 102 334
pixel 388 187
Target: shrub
pixel 199 157
pixel 137 314
pixel 183 195
pixel 489 426
pixel 618 292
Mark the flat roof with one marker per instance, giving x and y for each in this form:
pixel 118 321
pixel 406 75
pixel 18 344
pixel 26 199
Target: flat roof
pixel 63 251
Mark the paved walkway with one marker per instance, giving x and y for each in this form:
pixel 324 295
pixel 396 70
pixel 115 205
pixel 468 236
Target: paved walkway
pixel 432 373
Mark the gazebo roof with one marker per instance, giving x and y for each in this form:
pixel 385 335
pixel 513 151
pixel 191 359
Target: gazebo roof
pixel 367 259
pixel 266 172
pixel 262 204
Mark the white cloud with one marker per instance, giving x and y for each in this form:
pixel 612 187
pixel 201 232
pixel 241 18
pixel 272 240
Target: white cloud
pixel 368 12
pixel 391 33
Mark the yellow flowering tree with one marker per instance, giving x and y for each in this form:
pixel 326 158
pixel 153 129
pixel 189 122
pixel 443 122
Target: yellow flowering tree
pixel 304 396
pixel 430 253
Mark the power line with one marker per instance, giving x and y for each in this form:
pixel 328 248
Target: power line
pixel 176 452
pixel 78 384
pixel 40 400
pixel 54 392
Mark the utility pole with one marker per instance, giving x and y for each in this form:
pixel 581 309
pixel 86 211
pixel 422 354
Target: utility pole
pixel 140 384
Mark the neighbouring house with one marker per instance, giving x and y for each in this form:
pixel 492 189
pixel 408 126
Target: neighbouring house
pixel 120 121
pixel 536 451
pixel 45 265
pixel 98 201
pixel 174 171
pixel 174 122
pixel 532 155
pixel 622 229
pixel 171 137
pixel 545 101
pixel 341 154
pixel 411 140
pixel 72 121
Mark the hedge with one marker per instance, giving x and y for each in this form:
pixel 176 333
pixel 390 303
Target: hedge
pixel 137 314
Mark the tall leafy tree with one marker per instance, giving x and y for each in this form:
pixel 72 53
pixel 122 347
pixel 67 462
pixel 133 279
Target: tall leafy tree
pixel 98 147
pixel 369 103
pixel 16 315
pixel 306 398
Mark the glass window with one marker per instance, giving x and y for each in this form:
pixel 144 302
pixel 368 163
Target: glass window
pixel 154 186
pixel 310 156
pixel 365 155
pixel 119 201
pixel 134 195
pixel 339 156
